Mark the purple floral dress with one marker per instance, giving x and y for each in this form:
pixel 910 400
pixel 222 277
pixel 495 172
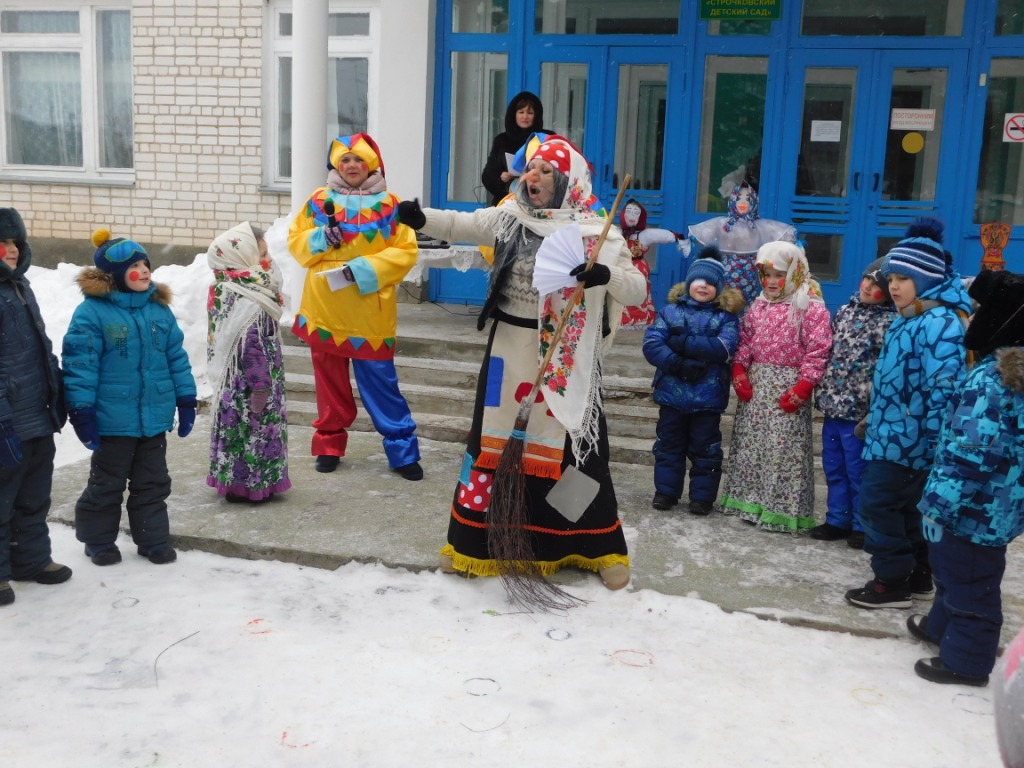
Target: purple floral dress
pixel 249 451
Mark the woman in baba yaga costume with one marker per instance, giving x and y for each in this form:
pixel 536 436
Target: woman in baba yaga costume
pixel 566 437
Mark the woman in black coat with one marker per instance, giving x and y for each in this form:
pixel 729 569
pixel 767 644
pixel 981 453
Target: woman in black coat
pixel 525 115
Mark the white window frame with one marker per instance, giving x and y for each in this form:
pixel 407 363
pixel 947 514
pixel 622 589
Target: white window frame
pixel 276 47
pixel 84 44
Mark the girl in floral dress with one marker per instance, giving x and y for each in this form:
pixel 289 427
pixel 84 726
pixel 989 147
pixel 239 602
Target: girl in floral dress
pixel 785 342
pixel 249 439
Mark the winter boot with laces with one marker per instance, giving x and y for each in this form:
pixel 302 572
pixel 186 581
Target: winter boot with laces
pixel 880 594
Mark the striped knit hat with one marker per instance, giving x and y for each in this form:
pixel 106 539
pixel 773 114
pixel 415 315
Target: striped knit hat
pixel 708 267
pixel 919 256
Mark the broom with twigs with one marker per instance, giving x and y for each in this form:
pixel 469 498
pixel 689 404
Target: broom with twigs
pixel 508 537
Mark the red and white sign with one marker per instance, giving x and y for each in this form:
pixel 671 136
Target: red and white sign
pixel 1013 127
pixel 912 120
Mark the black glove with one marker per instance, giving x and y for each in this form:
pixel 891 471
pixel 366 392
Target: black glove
pixel 410 214
pixel 84 422
pixel 597 275
pixel 10 446
pixel 691 370
pixel 186 415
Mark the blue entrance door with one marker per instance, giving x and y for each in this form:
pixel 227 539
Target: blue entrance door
pixel 874 148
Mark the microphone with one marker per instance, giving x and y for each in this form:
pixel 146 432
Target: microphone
pixel 332 220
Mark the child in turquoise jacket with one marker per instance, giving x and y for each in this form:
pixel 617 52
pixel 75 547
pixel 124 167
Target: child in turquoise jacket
pixel 125 372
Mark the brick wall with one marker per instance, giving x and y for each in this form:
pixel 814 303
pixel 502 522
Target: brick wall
pixel 198 139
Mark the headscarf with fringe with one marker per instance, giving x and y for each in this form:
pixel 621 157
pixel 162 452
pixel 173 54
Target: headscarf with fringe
pixel 571 382
pixel 234 257
pixel 800 289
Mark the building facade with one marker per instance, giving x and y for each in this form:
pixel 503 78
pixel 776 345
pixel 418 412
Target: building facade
pixel 170 119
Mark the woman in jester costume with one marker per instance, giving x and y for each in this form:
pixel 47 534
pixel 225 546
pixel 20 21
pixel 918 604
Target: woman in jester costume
pixel 351 224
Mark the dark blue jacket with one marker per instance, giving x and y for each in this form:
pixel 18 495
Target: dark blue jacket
pixel 690 344
pixel 30 385
pixel 123 355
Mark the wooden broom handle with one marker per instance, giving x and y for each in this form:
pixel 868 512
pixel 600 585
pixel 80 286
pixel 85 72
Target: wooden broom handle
pixel 578 293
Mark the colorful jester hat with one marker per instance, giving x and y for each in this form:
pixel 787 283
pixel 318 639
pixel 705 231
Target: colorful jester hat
pixel 359 144
pixel 368 212
pixel 565 158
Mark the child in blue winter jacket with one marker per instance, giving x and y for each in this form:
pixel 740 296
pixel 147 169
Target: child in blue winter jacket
pixel 973 501
pixel 690 343
pixel 842 395
pixel 922 361
pixel 125 371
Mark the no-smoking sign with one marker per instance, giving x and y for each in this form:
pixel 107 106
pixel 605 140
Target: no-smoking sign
pixel 1013 127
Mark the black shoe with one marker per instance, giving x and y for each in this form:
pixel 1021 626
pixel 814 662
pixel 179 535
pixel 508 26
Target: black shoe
pixel 935 671
pixel 327 463
pixel 411 471
pixel 699 508
pixel 917 624
pixel 829 532
pixel 159 554
pixel 6 593
pixel 856 540
pixel 663 501
pixel 103 554
pixel 53 573
pixel 879 594
pixel 921 585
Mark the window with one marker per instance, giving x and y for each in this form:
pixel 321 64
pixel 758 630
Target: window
pixel 350 77
pixel 54 115
pixel 479 86
pixel 908 18
pixel 584 17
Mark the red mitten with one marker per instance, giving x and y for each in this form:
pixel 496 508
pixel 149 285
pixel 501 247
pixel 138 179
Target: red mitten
pixel 796 396
pixel 741 383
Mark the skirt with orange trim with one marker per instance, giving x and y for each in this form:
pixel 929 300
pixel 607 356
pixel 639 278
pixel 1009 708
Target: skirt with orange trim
pixel 594 541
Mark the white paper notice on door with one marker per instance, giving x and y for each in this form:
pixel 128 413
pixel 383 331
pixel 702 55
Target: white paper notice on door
pixel 912 120
pixel 826 130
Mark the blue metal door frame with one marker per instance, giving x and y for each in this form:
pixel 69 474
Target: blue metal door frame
pixel 862 214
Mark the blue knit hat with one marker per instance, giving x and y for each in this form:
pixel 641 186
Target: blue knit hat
pixel 708 266
pixel 920 256
pixel 115 255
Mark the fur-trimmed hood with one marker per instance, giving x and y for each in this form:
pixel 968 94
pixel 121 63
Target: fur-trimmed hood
pixel 98 284
pixel 1010 364
pixel 729 300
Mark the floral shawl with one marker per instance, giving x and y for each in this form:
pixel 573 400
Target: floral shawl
pixel 234 257
pixel 571 381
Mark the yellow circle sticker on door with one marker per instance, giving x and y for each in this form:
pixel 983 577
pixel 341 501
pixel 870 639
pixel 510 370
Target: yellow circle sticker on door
pixel 913 143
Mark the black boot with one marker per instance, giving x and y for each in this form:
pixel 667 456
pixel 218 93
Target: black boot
pixel 935 671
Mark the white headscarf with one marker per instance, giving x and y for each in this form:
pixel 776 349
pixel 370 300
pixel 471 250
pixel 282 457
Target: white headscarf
pixel 800 289
pixel 234 257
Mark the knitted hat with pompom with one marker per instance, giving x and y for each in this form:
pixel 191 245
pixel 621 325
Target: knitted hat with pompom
pixel 115 255
pixel 919 255
pixel 708 267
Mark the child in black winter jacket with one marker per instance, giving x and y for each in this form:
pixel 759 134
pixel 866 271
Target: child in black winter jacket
pixel 31 410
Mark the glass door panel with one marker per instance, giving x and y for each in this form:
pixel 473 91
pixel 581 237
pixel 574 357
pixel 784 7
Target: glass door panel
pixel 732 126
pixel 916 108
pixel 640 131
pixel 563 92
pixel 822 180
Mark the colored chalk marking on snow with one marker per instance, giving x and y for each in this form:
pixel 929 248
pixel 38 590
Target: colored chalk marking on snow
pixel 255 627
pixel 557 635
pixel 867 696
pixel 633 658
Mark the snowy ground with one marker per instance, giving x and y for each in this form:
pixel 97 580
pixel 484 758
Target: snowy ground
pixel 221 662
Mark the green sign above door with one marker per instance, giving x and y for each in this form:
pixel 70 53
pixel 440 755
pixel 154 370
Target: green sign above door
pixel 740 10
